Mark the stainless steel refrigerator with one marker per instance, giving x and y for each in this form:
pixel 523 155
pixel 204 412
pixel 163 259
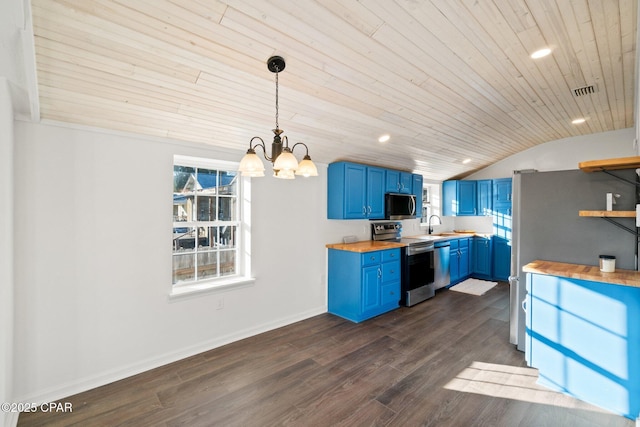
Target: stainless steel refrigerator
pixel 546 226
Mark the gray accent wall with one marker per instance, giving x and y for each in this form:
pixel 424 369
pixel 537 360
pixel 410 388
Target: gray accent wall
pixel 552 230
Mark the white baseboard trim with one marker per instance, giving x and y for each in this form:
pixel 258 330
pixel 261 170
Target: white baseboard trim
pixel 59 392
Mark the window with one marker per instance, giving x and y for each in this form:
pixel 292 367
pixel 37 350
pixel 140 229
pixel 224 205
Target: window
pixel 430 202
pixel 206 222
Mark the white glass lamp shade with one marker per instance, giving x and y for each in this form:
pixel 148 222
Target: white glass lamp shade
pixel 284 174
pixel 286 161
pixel 306 168
pixel 251 165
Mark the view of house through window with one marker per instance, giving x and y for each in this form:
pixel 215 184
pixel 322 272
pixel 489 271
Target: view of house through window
pixel 206 222
pixel 430 201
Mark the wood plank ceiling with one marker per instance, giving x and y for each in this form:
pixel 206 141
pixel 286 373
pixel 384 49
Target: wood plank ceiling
pixel 447 79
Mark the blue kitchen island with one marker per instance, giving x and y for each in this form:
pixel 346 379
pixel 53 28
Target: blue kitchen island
pixel 583 333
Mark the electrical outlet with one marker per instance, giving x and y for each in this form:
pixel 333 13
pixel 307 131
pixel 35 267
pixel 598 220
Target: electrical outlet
pixel 220 303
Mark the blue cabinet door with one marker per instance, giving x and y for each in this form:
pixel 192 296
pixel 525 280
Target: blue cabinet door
pixel 416 189
pixel 485 200
pixel 502 191
pixel 454 261
pixel 459 198
pixel 465 258
pixel 375 193
pixel 370 289
pixel 355 191
pixel 501 258
pixel 482 257
pixel 392 181
pixel 467 198
pixel 406 182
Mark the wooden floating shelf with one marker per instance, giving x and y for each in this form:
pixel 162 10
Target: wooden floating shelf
pixel 609 214
pixel 610 164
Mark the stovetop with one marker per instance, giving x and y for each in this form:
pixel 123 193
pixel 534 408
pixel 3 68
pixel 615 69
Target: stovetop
pixel 391 231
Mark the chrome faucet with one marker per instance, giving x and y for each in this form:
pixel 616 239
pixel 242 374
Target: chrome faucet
pixel 430 227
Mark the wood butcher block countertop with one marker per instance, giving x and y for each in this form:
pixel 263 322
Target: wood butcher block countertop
pixel 366 246
pixel 584 272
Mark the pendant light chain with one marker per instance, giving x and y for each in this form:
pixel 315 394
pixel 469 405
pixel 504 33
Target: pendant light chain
pixel 277 72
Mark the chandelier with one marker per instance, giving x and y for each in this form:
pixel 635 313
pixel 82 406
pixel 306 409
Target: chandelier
pixel 285 165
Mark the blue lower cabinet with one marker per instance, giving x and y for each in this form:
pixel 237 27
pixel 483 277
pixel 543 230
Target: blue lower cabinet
pixel 501 258
pixel 363 285
pixel 460 264
pixel 584 339
pixel 481 257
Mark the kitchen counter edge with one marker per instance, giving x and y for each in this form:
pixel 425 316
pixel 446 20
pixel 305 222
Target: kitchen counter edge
pixel 365 246
pixel 584 272
pixel 376 245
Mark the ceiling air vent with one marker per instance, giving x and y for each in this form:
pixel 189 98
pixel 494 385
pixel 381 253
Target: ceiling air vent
pixel 584 90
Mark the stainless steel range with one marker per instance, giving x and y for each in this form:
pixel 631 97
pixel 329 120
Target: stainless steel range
pixel 418 268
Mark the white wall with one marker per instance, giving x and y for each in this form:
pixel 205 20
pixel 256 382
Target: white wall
pixel 93 260
pixel 6 250
pixel 564 154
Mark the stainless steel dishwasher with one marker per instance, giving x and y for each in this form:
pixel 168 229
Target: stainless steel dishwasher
pixel 442 277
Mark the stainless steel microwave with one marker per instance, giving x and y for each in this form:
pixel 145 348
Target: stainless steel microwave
pixel 399 206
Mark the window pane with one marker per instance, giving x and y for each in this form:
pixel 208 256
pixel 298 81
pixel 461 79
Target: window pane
pixel 206 208
pixel 207 264
pixel 183 268
pixel 227 239
pixel 184 239
pixel 206 238
pixel 228 208
pixel 228 182
pixel 181 175
pixel 227 263
pixel 207 180
pixel 183 199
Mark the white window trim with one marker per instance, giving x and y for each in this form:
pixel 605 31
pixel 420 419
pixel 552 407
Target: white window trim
pixel 243 278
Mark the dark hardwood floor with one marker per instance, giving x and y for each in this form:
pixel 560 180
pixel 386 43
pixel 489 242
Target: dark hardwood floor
pixel 444 362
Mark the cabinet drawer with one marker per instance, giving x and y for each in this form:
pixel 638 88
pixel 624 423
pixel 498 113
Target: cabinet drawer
pixel 463 243
pixel 369 258
pixel 454 244
pixel 390 255
pixel 390 271
pixel 391 293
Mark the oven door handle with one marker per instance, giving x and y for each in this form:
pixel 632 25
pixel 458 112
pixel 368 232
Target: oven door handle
pixel 419 250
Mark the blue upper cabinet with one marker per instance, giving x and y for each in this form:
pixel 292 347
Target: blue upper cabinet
pixel 398 182
pixel 502 191
pixel 355 191
pixel 459 198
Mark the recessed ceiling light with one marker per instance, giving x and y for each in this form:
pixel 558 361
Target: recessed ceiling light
pixel 578 121
pixel 384 138
pixel 541 53
pixel 465 161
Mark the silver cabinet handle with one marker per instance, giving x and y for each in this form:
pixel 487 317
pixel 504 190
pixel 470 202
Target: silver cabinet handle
pixel 379 273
